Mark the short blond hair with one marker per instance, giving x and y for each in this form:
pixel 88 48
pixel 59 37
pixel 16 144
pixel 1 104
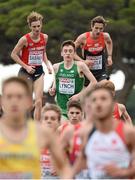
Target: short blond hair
pixel 52 107
pixel 34 16
pixel 108 85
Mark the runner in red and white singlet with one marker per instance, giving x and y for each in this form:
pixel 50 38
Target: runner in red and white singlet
pixel 110 147
pixel 104 149
pixel 33 54
pixel 69 139
pixel 74 116
pixel 30 53
pixel 50 118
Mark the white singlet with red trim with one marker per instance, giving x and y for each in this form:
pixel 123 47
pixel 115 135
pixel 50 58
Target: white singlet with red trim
pixel 105 149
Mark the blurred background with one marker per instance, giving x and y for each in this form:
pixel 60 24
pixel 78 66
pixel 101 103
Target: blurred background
pixel 66 19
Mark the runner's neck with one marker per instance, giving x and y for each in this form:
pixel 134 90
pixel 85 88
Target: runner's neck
pixel 14 123
pixel 105 125
pixel 68 65
pixel 34 37
pixel 93 36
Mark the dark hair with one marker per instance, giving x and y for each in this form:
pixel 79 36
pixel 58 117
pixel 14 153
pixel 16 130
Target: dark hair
pixel 100 85
pixel 98 19
pixel 19 80
pixel 52 107
pixel 75 104
pixel 68 43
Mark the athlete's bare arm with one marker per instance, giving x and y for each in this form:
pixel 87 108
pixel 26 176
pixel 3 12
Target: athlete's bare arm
pixel 125 114
pixel 66 137
pixel 16 52
pixel 80 41
pixel 48 139
pixel 52 90
pixel 80 162
pixel 115 171
pixel 56 67
pixel 45 56
pixel 83 69
pixel 109 47
pixel 59 130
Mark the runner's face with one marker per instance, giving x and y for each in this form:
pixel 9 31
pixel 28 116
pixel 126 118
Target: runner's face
pixel 74 115
pixel 101 104
pixel 15 101
pixel 68 53
pixel 97 29
pixel 50 119
pixel 36 27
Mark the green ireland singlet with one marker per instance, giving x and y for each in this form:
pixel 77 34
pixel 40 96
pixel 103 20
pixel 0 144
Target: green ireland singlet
pixel 68 83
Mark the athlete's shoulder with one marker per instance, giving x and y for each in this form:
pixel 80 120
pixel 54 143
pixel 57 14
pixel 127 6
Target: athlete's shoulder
pixel 22 42
pixel 44 134
pixel 80 63
pixel 122 107
pixel 106 35
pixel 80 39
pixel 45 36
pixel 56 66
pixel 23 39
pixel 67 132
pixel 82 36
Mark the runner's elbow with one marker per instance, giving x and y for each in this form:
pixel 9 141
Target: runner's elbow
pixel 13 54
pixel 94 82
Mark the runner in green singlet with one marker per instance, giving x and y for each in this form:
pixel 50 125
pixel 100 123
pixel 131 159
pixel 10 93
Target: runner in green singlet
pixel 69 77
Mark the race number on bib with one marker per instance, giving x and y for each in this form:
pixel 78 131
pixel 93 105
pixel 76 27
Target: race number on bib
pixel 97 62
pixel 66 86
pixel 35 57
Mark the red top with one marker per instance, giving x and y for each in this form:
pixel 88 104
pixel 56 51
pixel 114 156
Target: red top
pixel 64 126
pixel 94 46
pixel 46 163
pixel 76 144
pixel 116 113
pixel 120 131
pixel 33 54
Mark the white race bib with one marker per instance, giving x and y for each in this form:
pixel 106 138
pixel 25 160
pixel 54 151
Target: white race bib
pixel 66 86
pixel 35 58
pixel 97 62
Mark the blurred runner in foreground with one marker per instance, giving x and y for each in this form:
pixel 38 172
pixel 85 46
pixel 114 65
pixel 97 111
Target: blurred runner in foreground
pixel 50 118
pixel 21 139
pixel 109 149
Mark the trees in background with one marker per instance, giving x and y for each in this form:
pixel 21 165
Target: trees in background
pixel 66 19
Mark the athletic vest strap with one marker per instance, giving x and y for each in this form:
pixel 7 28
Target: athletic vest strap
pixel 87 37
pixel 29 40
pixel 119 130
pixel 116 111
pixel 91 132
